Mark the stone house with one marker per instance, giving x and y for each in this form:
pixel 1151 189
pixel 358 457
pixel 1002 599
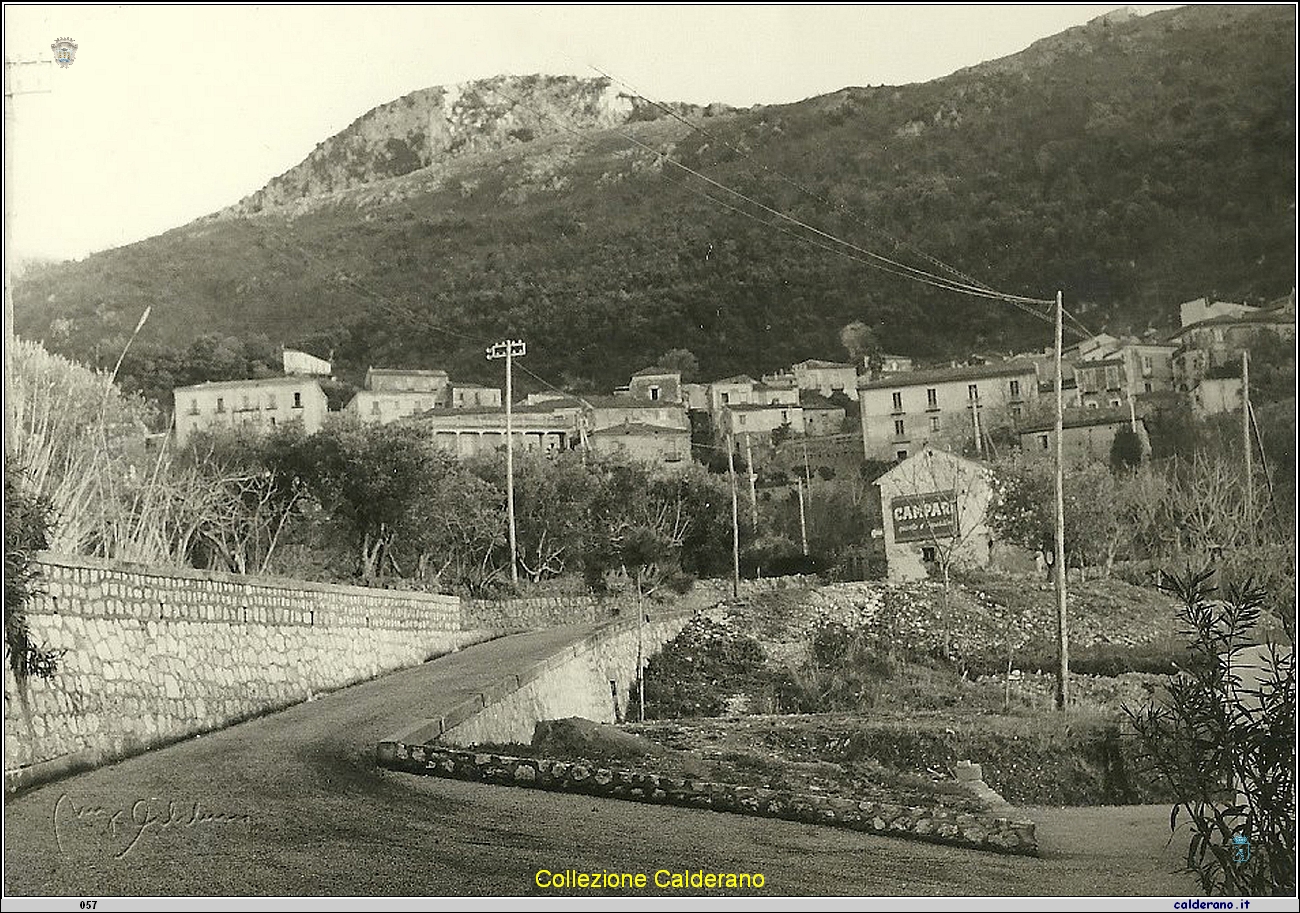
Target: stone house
pixel 260 404
pixel 826 378
pixel 656 385
pixel 1085 434
pixel 902 412
pixel 661 445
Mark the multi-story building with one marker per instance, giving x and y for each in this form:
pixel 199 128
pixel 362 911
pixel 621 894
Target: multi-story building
pixel 656 385
pixel 395 393
pixel 1101 383
pixel 261 404
pixel 820 415
pixel 1085 434
pixel 902 412
pixel 744 390
pixel 739 419
pixel 472 396
pixel 469 432
pixel 661 445
pixel 408 380
pixel 826 378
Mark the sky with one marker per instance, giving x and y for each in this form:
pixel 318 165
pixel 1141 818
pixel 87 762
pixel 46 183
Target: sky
pixel 170 113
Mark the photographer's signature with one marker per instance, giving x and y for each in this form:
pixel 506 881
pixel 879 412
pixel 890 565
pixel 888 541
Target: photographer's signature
pixel 127 825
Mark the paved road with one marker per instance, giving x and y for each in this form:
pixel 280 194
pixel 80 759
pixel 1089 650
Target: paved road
pixel 292 804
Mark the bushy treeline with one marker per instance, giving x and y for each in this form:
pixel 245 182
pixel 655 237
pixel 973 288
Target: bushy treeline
pixel 382 504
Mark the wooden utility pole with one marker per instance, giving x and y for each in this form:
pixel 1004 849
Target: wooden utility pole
pixel 1062 628
pixel 735 518
pixel 753 486
pixel 803 524
pixel 1249 450
pixel 975 413
pixel 510 349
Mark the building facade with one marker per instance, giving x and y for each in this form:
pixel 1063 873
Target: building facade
pixel 660 445
pixel 935 507
pixel 472 396
pixel 761 419
pixel 470 432
pixel 901 413
pixel 656 385
pixel 826 378
pixel 296 362
pixel 1086 435
pixel 261 404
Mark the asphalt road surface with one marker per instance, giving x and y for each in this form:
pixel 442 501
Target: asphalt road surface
pixel 293 804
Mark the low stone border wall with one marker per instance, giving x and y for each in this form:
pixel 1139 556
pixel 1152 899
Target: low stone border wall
pixel 934 825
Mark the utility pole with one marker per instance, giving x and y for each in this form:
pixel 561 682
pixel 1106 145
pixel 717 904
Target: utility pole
pixel 975 413
pixel 1062 629
pixel 22 77
pixel 510 349
pixel 1245 439
pixel 753 489
pixel 803 525
pixel 735 518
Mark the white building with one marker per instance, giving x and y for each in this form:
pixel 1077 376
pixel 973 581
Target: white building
pixel 296 362
pixel 260 404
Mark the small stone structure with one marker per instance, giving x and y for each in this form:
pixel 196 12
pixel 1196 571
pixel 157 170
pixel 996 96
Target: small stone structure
pixel 935 825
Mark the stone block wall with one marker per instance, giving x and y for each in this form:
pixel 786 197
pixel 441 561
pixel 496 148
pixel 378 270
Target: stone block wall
pixel 934 824
pixel 155 655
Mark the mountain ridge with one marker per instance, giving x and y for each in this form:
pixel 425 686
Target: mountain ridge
pixel 1134 164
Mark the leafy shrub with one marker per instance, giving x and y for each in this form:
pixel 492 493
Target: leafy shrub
pixel 27 525
pixel 1213 731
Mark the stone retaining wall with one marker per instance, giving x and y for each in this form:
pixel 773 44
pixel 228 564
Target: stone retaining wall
pixel 153 655
pixel 590 679
pixel 936 825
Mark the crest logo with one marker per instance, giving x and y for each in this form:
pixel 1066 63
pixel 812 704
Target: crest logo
pixel 1240 848
pixel 65 51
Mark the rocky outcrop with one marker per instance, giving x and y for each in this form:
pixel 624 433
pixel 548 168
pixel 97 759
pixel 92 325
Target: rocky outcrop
pixel 433 127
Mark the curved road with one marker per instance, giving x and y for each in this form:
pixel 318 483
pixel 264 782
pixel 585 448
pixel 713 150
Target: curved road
pixel 292 804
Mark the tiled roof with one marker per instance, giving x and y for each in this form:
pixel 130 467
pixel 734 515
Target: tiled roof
pixel 656 372
pixel 760 407
pixel 1081 418
pixel 249 383
pixel 813 364
pixel 736 379
pixel 940 375
pixel 410 372
pixel 640 428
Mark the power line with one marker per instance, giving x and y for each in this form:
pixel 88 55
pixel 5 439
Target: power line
pixel 907 271
pixel 898 242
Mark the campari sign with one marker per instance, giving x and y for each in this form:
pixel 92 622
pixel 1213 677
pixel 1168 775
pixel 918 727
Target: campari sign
pixel 923 517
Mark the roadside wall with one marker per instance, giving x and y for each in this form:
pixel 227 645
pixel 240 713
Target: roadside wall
pixel 153 655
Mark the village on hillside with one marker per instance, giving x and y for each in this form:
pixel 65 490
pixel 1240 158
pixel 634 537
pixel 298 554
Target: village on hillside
pixel 813 419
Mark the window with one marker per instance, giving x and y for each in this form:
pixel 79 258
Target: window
pixel 1146 387
pixel 194 407
pixel 785 415
pixel 1044 441
pixel 654 393
pixel 374 407
pixel 297 400
pixel 1112 378
pixel 742 420
pixel 1016 411
pixel 929 554
pixel 247 404
pixel 934 423
pixel 1015 388
pixel 898 427
pixel 932 398
pixel 1147 366
pixel 901 454
pixel 898 401
pixel 221 404
pixel 1114 402
pixel 973 391
pixel 726 398
pixel 270 401
pixel 1092 404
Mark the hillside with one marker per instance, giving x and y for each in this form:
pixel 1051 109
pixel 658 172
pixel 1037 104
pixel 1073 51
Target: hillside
pixel 1132 163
